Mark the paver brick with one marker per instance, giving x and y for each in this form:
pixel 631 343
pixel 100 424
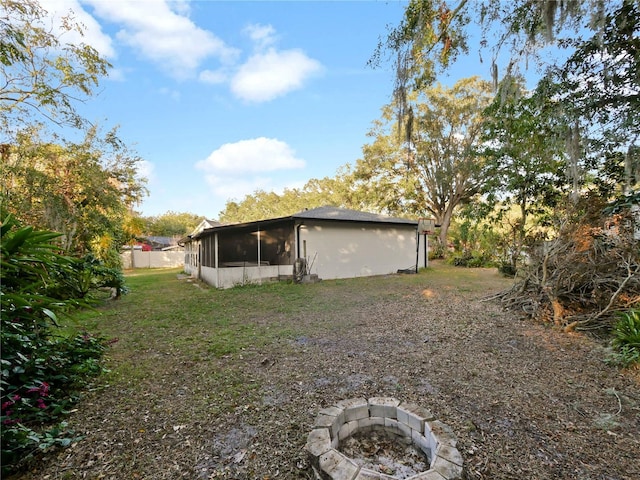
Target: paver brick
pixel 347 429
pixel 442 433
pixel 365 474
pixel 334 412
pixel 411 423
pixel 447 469
pixel 354 408
pixel 413 415
pixel 383 407
pixel 318 442
pixel 428 475
pixel 369 423
pixel 450 453
pixel 329 421
pixel 394 426
pixel 337 466
pixel 423 444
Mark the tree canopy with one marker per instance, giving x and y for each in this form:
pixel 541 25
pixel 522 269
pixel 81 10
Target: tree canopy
pixel 81 189
pixel 565 152
pixel 337 191
pixel 592 89
pixel 172 224
pixel 44 77
pixel 436 166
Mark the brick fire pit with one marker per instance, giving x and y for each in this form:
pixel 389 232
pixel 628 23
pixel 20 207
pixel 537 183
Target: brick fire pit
pixel 410 424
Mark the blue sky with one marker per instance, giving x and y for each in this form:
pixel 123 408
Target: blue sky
pixel 223 98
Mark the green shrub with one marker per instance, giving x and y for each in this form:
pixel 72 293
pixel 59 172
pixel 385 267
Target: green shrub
pixel 41 371
pixel 87 275
pixel 471 260
pixel 626 339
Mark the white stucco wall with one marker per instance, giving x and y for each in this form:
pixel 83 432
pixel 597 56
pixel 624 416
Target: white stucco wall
pixel 356 250
pixel 231 276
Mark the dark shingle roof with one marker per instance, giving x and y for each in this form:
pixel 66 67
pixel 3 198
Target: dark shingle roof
pixel 320 213
pixel 344 214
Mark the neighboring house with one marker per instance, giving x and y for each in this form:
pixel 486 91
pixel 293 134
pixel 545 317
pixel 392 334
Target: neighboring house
pixel 328 242
pixel 162 243
pixel 153 252
pixel 203 225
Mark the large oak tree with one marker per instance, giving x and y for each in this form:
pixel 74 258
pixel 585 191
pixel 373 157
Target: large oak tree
pixel 587 101
pixel 436 166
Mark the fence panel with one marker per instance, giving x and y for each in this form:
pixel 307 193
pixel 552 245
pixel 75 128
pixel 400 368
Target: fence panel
pixel 142 259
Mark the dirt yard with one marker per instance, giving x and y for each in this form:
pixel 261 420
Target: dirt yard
pixel 525 401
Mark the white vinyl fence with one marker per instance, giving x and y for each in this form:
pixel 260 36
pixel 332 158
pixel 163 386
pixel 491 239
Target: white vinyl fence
pixel 142 259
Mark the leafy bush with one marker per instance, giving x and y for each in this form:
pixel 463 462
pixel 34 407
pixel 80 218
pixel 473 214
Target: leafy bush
pixel 437 251
pixel 626 339
pixel 42 371
pixel 87 274
pixel 475 242
pixel 472 260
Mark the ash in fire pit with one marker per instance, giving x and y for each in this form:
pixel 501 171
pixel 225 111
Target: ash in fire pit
pixel 386 453
pixel 382 439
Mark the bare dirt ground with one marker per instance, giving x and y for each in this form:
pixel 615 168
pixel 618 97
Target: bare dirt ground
pixel 526 401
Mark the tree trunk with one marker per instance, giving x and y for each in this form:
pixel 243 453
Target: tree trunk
pixel 444 225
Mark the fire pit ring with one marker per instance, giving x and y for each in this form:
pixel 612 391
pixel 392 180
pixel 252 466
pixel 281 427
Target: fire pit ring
pixel 412 423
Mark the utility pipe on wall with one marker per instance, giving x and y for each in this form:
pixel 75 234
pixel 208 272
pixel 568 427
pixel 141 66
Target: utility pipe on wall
pixel 216 261
pixel 259 263
pixel 417 248
pixel 298 227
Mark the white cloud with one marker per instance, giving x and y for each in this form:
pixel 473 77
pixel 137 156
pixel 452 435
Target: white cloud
pixel 262 35
pixel 162 32
pixel 165 36
pixel 92 34
pixel 238 169
pixel 251 156
pixel 273 73
pixel 180 6
pixel 236 188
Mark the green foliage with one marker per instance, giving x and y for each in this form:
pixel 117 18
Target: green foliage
pixel 81 190
pixel 472 259
pixel 435 168
pixel 474 238
pixel 41 371
pixel 429 38
pixel 44 76
pixel 626 340
pixel 606 113
pixel 437 251
pixel 507 269
pixel 172 224
pixel 259 205
pixel 88 274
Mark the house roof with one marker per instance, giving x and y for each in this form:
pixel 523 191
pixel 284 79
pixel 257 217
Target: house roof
pixel 344 214
pixel 326 213
pixel 161 241
pixel 203 225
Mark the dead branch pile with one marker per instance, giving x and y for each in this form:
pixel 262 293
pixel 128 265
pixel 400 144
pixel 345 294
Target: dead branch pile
pixel 584 276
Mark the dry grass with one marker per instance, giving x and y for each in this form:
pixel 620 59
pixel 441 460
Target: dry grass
pixel 211 384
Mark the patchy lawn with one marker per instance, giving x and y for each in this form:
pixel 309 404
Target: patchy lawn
pixel 208 384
